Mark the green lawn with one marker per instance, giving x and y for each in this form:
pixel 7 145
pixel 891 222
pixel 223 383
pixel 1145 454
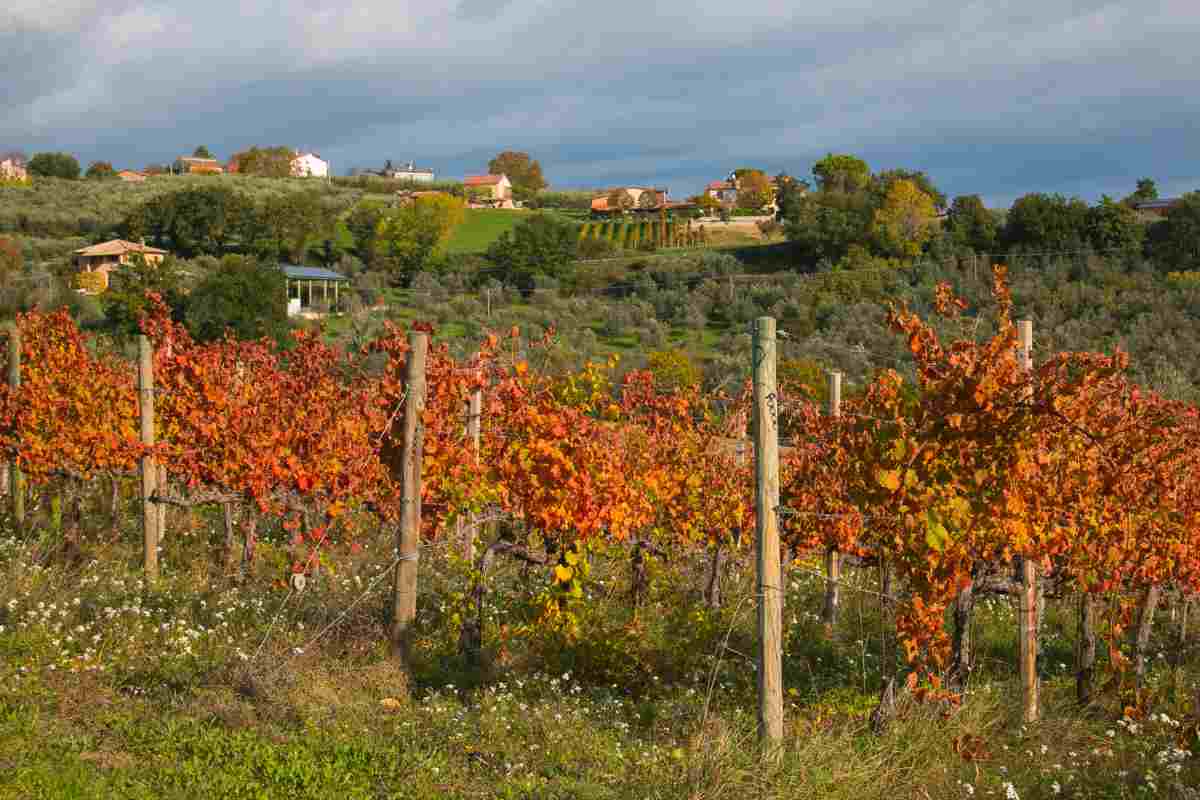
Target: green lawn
pixel 482 227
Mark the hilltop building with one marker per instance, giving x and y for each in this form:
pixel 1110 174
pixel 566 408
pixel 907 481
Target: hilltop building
pixel 309 165
pixel 492 191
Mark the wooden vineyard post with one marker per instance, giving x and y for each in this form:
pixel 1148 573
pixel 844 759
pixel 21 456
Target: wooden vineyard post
pixel 833 558
pixel 766 500
pixel 17 487
pixel 1027 615
pixel 474 432
pixel 404 592
pixel 149 467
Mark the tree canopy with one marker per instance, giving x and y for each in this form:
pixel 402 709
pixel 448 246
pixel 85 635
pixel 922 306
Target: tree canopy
pixel 1174 243
pixel 841 173
pixel 244 297
pixel 524 173
pixel 54 165
pixel 539 245
pixel 100 170
pixel 202 152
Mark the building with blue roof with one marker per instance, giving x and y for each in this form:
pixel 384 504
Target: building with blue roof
pixel 307 286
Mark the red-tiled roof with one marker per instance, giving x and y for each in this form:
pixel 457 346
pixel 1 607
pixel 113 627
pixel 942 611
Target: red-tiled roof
pixel 116 247
pixel 482 180
pixel 720 185
pixel 600 204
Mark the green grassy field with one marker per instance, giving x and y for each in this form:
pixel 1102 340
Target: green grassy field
pixel 482 227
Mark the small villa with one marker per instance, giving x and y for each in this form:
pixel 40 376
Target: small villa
pixel 101 259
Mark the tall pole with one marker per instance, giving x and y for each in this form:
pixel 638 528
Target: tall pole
pixel 766 499
pixel 149 467
pixel 833 558
pixel 404 594
pixel 14 384
pixel 1028 594
pixel 474 431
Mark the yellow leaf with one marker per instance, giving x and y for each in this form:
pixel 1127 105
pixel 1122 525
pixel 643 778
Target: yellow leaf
pixel 562 574
pixel 889 479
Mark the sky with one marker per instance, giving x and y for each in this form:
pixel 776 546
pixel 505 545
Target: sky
pixel 1081 97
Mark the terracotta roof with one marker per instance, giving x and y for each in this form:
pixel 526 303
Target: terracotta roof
pixel 600 204
pixel 720 185
pixel 116 247
pixel 482 180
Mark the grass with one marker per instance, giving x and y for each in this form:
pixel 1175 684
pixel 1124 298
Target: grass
pixel 208 684
pixel 481 227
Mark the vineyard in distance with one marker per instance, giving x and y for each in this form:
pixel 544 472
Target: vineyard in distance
pixel 390 569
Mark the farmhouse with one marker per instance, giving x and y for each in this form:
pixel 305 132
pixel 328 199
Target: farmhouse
pixel 489 190
pixel 101 259
pixel 302 285
pixel 129 176
pixel 190 165
pixel 309 165
pixel 12 168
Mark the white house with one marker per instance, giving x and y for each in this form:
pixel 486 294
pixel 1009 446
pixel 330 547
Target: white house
pixel 309 165
pixel 409 172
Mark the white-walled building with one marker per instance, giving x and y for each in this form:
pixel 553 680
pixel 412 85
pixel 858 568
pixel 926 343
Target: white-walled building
pixel 409 172
pixel 309 165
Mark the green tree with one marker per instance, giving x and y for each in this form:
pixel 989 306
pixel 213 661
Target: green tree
pixel 54 165
pixel 1146 190
pixel 524 173
pixel 242 296
pixel 970 224
pixel 538 245
pixel 100 170
pixel 125 302
pixel 363 223
pixel 265 162
pixel 202 152
pixel 1174 243
pixel 621 200
pixel 200 220
pixel 1113 226
pixel 1046 223
pixel 842 173
pixel 825 225
pixel 411 236
pixel 288 222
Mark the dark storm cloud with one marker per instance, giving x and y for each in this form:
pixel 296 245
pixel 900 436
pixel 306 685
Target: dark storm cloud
pixel 1078 96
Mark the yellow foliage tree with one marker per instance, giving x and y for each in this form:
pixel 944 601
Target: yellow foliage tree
pixel 905 221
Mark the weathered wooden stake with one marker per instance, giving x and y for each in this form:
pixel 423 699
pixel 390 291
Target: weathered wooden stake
pixel 1027 600
pixel 1141 641
pixel 17 487
pixel 1085 649
pixel 474 433
pixel 833 558
pixel 149 467
pixel 404 593
pixel 770 597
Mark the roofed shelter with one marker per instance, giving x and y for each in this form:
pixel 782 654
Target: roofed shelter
pixel 309 285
